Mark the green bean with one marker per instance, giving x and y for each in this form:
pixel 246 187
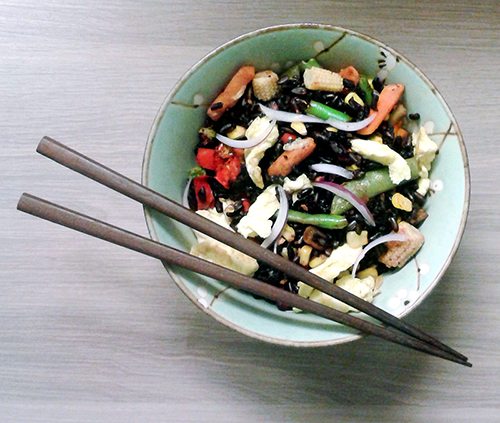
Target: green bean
pixel 367 90
pixel 326 221
pixel 325 112
pixel 311 63
pixel 293 71
pixel 296 70
pixel 373 183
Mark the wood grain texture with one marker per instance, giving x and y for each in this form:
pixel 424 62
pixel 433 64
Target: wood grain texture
pixel 91 332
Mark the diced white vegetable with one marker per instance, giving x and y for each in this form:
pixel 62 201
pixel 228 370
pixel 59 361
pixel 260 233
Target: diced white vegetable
pixel 299 127
pixel 294 187
pixel 425 151
pixel 423 185
pixel 342 258
pixel 362 288
pixel 257 220
pixel 399 170
pixel 255 154
pixel 355 241
pixel 216 252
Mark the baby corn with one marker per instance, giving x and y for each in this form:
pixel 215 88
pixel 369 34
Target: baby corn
pixel 323 79
pixel 399 252
pixel 265 85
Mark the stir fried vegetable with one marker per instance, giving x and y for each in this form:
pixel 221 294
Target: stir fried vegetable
pixel 373 183
pixel 232 93
pixel 388 98
pixel 327 221
pixel 366 89
pixel 324 112
pixel 317 165
pixel 299 150
pixel 350 73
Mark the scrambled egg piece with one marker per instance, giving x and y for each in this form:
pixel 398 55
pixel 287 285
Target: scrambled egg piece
pixel 301 183
pixel 372 150
pixel 424 183
pixel 216 252
pixel 211 214
pixel 342 258
pixel 355 241
pixel 294 187
pixel 257 220
pixel 336 265
pixel 425 152
pixel 254 155
pixel 363 288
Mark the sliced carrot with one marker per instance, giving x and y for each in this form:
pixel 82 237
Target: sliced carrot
pixel 232 93
pixel 350 73
pixel 398 114
pixel 400 132
pixel 285 163
pixel 387 99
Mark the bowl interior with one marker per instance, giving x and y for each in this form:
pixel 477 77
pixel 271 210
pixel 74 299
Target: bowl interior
pixel 169 155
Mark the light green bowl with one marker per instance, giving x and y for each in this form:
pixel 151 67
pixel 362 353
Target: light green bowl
pixel 169 155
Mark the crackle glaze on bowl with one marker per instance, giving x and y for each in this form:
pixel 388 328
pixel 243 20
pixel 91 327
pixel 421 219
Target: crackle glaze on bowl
pixel 169 155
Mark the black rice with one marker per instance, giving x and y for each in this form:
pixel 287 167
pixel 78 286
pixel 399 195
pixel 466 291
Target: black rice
pixel 333 147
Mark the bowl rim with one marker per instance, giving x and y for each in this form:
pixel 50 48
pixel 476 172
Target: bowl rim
pixel 284 27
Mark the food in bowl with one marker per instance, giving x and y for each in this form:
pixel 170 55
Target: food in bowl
pixel 174 136
pixel 327 167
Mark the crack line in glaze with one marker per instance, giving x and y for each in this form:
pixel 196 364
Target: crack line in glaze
pixel 218 294
pixel 327 49
pixel 146 180
pixel 418 273
pixel 187 105
pixel 448 132
pixel 196 105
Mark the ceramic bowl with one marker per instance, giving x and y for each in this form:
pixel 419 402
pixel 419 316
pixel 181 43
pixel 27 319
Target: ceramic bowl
pixel 169 156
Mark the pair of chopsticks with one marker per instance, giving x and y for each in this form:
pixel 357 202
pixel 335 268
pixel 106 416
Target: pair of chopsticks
pixel 395 330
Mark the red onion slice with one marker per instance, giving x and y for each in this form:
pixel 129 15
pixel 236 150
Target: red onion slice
pixel 347 195
pixel 351 126
pixel 185 201
pixel 275 248
pixel 332 169
pixel 249 142
pixel 381 240
pixel 282 116
pixel 280 221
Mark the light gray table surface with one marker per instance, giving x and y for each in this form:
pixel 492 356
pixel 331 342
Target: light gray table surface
pixel 90 332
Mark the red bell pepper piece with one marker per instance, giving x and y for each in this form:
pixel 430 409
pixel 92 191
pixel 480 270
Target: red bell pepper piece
pixel 206 158
pixel 287 137
pixel 227 164
pixel 227 170
pixel 224 160
pixel 203 192
pixel 245 202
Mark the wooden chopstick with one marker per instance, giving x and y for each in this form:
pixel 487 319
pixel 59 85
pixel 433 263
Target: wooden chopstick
pixel 98 172
pixel 88 225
